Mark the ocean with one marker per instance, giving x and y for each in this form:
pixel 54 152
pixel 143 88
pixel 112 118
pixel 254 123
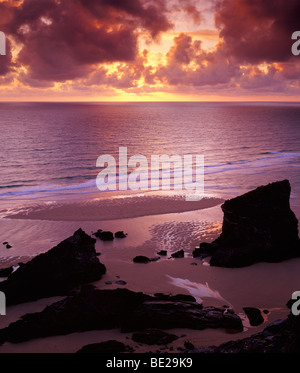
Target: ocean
pixel 49 151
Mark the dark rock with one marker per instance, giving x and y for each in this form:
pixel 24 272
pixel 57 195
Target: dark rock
pixel 174 298
pixel 162 252
pixel 155 259
pixel 121 282
pixel 278 337
pixel 5 243
pixel 97 233
pixel 8 246
pixel 141 259
pixel 144 259
pixel 188 345
pixel 107 347
pixel 108 282
pixel 202 251
pixel 281 336
pixel 178 254
pixel 257 226
pixel 95 309
pixel 69 264
pixel 153 337
pixel 120 234
pixel 254 315
pixel 5 272
pixel 183 298
pixel 196 252
pixel 162 296
pixel 104 235
pixel 169 315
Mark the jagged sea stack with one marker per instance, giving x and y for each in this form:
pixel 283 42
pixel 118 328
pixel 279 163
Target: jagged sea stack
pixel 69 264
pixel 257 226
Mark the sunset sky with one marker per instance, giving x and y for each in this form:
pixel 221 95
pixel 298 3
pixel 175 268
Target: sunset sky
pixel 149 50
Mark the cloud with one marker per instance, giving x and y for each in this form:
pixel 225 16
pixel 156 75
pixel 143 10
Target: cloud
pixel 253 52
pixel 64 40
pixel 188 64
pixel 87 44
pixel 6 62
pixel 257 31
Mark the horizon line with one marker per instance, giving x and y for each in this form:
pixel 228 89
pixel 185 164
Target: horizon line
pixel 150 101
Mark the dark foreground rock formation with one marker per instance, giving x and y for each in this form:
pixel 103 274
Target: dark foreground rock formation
pixel 257 226
pixel 281 336
pixel 71 263
pixel 154 337
pixel 107 347
pixel 95 309
pixel 5 272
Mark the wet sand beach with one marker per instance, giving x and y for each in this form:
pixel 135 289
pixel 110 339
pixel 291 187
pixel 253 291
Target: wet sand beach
pixel 266 286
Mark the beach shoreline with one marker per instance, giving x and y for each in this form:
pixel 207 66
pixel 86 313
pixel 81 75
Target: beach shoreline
pixel 265 286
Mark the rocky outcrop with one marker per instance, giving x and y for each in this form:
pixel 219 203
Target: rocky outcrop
pixel 254 315
pixel 95 309
pixel 5 272
pixel 144 259
pixel 257 226
pixel 104 235
pixel 162 253
pixel 154 337
pixel 120 234
pixel 71 263
pixel 107 347
pixel 175 298
pixel 169 315
pixel 278 337
pixel 7 245
pixel 178 254
pixel 281 336
pixel 141 259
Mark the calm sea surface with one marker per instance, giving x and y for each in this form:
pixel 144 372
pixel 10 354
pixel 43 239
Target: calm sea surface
pixel 49 150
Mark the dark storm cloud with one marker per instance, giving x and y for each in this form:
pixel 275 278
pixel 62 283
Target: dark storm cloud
pixel 151 15
pixel 6 64
pixel 252 32
pixel 62 40
pixel 6 15
pixel 256 31
pixel 74 40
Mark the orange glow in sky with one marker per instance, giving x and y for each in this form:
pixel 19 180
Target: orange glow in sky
pixel 140 50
